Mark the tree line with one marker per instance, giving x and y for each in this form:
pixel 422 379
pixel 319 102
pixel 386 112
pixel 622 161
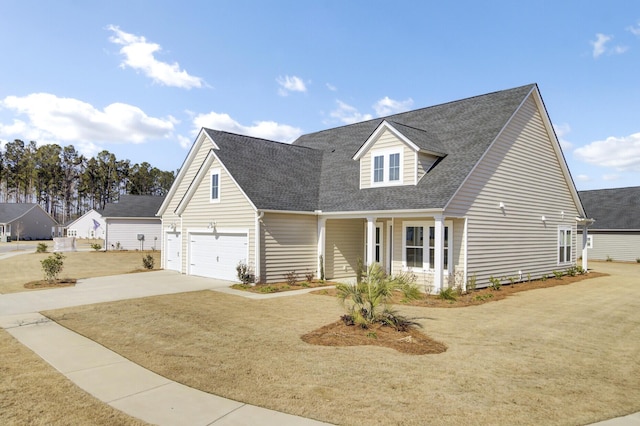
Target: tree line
pixel 67 184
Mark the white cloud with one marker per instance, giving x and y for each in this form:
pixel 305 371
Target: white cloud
pixel 290 84
pixel 583 178
pixel 561 131
pixel 348 114
pixel 184 141
pixel 139 55
pixel 387 106
pixel 50 119
pixel 261 129
pixel 620 153
pixel 634 30
pixel 332 87
pixel 610 177
pixel 600 46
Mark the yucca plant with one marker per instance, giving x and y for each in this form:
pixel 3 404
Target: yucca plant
pixel 368 301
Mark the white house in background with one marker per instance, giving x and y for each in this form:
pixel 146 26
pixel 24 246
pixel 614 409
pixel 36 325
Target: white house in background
pixel 616 231
pixel 27 221
pixel 132 224
pixel 89 225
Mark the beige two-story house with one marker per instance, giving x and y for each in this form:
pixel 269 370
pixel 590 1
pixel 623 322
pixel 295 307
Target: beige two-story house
pixel 472 188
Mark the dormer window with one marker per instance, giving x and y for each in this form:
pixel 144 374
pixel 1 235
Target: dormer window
pixel 386 167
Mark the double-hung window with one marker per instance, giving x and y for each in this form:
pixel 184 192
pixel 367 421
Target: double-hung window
pixel 215 185
pixel 420 253
pixel 564 244
pixel 386 168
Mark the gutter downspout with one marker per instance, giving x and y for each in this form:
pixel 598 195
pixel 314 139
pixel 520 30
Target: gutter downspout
pixel 259 216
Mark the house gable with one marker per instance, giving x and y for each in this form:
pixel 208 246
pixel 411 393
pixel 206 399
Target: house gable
pixel 396 154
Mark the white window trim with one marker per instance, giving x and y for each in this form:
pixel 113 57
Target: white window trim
pixel 564 228
pixel 386 154
pixel 426 267
pixel 211 174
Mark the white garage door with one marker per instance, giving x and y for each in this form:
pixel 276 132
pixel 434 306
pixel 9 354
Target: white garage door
pixel 173 251
pixel 217 255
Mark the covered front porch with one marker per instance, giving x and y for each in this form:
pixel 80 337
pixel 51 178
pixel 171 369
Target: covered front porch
pixel 426 244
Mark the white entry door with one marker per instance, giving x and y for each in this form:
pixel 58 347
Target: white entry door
pixel 173 252
pixel 217 255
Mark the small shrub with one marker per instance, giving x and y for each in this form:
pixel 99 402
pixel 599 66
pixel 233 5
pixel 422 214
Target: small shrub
pixel 512 280
pixel 372 335
pixel 637 259
pixel 609 258
pixel 52 266
pixel 529 277
pixel 291 277
pixel 572 271
pixel 483 297
pixel 544 277
pixel 305 284
pixel 471 284
pixel 495 283
pixel 309 276
pixel 96 246
pixel 321 268
pixel 267 289
pixel 244 273
pixel 558 274
pixel 447 294
pixel 148 262
pixel 42 248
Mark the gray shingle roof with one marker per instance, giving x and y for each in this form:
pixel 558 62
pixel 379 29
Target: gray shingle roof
pixel 275 176
pixel 614 208
pixel 317 171
pixel 464 128
pixel 133 206
pixel 11 211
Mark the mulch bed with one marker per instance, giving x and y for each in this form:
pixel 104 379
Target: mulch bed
pixel 281 286
pixel 411 342
pixel 63 282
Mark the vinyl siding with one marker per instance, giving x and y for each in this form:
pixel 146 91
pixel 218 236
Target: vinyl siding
pixel 36 224
pixel 170 217
pixel 232 212
pixel 290 244
pixel 344 245
pixel 125 232
pixel 388 140
pixel 619 246
pixel 522 171
pixel 425 161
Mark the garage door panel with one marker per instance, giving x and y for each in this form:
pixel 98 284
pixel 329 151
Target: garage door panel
pixel 217 255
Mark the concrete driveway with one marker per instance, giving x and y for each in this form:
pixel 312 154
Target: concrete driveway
pixel 105 289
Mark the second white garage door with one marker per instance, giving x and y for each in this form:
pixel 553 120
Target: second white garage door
pixel 217 255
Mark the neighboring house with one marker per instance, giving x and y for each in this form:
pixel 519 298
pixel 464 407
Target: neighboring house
pixel 89 225
pixel 616 231
pixel 25 220
pixel 473 188
pixel 131 223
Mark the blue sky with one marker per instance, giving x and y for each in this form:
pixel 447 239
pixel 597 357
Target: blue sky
pixel 139 78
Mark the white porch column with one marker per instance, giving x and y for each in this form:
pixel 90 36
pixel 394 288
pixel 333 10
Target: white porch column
pixel 321 244
pixel 438 258
pixel 585 252
pixel 371 240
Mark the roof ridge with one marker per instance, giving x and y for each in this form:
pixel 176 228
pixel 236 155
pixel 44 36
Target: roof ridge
pixel 257 139
pixel 387 117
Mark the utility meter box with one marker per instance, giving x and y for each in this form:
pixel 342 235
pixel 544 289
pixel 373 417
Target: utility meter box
pixel 140 237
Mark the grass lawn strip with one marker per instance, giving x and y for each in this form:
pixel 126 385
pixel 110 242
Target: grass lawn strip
pixel 34 393
pixel 561 355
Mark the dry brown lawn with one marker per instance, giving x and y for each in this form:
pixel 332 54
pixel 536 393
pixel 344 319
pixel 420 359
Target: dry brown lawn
pixel 19 270
pixel 555 356
pixel 34 393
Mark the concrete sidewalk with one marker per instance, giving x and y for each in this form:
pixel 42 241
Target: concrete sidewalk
pixel 112 378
